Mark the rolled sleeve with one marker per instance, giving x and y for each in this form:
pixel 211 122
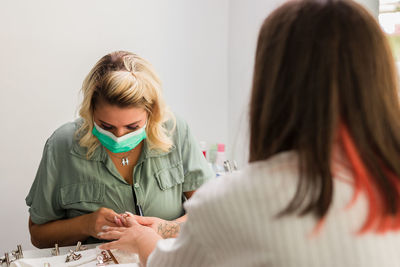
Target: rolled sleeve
pixel 43 196
pixel 196 168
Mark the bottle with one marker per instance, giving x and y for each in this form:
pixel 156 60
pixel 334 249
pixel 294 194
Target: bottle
pixel 203 148
pixel 219 160
pixel 212 153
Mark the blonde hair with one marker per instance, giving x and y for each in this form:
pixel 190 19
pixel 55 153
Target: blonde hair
pixel 126 80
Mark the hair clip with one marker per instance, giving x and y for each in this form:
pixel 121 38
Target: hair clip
pixel 105 258
pixel 235 167
pixel 100 261
pixel 5 259
pixel 55 251
pixel 18 253
pixel 227 166
pixel 72 256
pixel 80 247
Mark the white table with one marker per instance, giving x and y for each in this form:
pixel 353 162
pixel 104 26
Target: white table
pixel 37 254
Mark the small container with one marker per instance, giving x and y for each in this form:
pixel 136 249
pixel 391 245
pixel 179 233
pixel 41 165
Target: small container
pixel 212 153
pixel 220 159
pixel 203 148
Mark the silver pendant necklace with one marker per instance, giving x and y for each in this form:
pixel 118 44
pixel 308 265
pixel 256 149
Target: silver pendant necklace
pixel 124 159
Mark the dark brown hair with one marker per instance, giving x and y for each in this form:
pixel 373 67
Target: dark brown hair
pixel 321 64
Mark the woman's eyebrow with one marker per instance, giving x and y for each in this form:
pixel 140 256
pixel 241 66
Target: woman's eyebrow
pixel 108 124
pixel 136 122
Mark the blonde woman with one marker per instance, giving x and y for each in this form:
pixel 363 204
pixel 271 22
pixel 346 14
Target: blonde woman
pixel 127 152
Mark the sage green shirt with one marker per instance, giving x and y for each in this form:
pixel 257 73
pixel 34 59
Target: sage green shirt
pixel 67 184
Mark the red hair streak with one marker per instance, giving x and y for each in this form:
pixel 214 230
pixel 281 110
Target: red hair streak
pixel 376 219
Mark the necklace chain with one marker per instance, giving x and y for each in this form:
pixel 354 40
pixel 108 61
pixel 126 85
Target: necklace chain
pixel 124 159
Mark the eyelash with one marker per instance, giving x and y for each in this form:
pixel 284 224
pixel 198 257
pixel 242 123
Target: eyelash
pixel 105 127
pixel 108 128
pixel 132 128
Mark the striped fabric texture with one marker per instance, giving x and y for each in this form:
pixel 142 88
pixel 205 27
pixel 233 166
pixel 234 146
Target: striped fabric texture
pixel 232 222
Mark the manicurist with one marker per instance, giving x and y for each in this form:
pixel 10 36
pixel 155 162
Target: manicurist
pixel 126 152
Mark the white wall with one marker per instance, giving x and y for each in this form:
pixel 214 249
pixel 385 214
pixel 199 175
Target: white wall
pixel 245 19
pixel 371 5
pixel 47 48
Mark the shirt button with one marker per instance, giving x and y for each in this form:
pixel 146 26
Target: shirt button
pixel 136 185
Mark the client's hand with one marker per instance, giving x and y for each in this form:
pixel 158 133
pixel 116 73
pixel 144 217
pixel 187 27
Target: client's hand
pixel 166 229
pixel 131 238
pixel 97 220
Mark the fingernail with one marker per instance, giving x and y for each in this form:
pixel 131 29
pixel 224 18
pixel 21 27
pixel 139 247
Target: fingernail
pixel 105 227
pixel 130 213
pixel 100 233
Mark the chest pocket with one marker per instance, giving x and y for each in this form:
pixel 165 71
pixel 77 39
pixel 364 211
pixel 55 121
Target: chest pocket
pixel 80 199
pixel 170 177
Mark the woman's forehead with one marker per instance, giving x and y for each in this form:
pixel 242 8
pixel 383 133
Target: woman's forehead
pixel 118 116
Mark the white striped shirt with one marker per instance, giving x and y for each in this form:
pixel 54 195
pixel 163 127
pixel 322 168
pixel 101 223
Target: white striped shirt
pixel 232 222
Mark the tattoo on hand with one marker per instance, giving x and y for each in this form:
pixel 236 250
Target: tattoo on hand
pixel 168 229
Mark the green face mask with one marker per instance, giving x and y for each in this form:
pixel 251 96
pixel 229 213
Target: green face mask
pixel 119 144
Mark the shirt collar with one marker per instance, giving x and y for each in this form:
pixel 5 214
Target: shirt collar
pixel 77 150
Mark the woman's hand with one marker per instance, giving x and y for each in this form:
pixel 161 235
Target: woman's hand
pixel 166 229
pixel 135 238
pixel 96 221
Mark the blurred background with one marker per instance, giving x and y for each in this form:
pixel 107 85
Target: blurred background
pixel 203 52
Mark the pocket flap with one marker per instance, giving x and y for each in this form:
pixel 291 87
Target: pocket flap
pixel 170 177
pixel 76 193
